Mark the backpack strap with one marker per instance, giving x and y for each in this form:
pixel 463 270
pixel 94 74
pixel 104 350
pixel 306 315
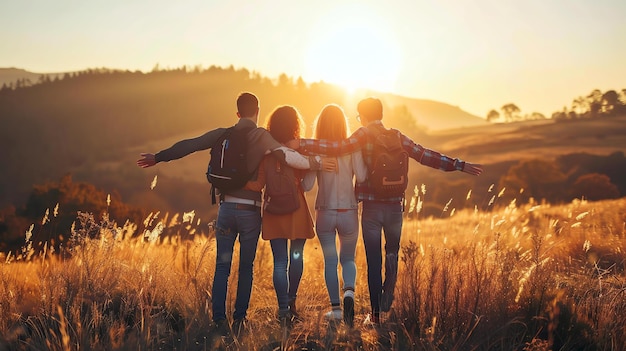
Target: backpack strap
pixel 219 140
pixel 213 200
pixel 375 131
pixel 213 196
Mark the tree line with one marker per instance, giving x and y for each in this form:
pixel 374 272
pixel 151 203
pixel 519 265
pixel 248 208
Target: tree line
pixel 596 104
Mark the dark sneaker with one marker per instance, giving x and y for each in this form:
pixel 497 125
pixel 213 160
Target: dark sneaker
pixel 348 311
pixel 391 276
pixel 239 327
pixel 374 319
pixel 285 318
pixel 295 316
pixel 222 328
pixel 386 300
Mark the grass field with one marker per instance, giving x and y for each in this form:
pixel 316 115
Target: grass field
pixel 521 277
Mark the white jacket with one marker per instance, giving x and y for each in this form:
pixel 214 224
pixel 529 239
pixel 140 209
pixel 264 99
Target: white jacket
pixel 336 190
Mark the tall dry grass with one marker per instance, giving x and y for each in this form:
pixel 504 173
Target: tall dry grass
pixel 514 277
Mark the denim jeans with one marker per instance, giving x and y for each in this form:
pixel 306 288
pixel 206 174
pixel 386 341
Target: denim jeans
pixel 233 223
pixel 288 264
pixel 378 218
pixel 345 223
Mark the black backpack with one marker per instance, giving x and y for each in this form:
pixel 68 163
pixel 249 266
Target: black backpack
pixel 282 192
pixel 228 169
pixel 388 173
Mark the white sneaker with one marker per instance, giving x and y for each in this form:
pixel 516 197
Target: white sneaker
pixel 334 315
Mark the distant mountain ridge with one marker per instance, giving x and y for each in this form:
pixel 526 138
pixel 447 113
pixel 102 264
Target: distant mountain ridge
pixel 12 75
pixel 433 115
pixel 436 115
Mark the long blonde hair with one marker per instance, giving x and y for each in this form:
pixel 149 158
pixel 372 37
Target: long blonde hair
pixel 331 123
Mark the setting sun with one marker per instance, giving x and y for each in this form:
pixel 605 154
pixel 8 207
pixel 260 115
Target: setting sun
pixel 353 54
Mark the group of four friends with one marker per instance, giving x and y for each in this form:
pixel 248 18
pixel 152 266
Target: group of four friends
pixel 240 214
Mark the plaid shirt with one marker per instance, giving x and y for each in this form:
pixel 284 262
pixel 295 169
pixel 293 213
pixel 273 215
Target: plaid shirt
pixel 360 140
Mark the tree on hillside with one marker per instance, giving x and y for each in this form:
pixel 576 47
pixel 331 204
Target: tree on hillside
pixel 594 187
pixel 536 116
pixel 284 81
pixel 594 100
pixel 12 229
pixel 71 197
pixel 580 105
pixel 539 179
pixel 610 102
pixel 510 112
pixel 613 166
pixel 493 115
pixel 401 118
pixel 560 115
pixel 301 84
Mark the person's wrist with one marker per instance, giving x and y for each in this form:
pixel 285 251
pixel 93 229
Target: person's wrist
pixel 459 165
pixel 316 162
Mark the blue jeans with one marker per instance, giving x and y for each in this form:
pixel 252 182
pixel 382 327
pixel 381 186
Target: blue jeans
pixel 233 222
pixel 378 218
pixel 345 223
pixel 288 264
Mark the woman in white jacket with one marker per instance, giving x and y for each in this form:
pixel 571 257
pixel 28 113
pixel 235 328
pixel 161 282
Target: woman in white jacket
pixel 336 213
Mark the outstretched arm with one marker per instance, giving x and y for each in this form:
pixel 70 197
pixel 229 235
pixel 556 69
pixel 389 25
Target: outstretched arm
pixel 436 160
pixel 181 149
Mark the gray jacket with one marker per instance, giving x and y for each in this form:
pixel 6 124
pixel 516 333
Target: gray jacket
pixel 336 190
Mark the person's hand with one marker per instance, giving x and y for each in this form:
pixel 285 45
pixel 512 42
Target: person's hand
pixel 146 160
pixel 329 164
pixel 293 144
pixel 472 168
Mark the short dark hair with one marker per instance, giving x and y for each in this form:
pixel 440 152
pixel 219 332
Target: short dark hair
pixel 370 109
pixel 285 124
pixel 247 104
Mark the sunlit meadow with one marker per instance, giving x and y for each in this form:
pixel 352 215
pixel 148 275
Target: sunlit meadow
pixel 498 276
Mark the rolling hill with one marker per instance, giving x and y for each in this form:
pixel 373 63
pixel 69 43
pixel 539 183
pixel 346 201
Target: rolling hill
pixel 530 139
pixel 436 115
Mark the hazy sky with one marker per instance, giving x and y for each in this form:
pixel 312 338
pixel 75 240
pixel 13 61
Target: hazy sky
pixel 477 54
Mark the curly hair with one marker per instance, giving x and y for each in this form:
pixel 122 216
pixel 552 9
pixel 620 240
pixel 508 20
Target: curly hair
pixel 285 123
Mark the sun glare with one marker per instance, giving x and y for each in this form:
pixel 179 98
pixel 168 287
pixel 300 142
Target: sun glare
pixel 354 54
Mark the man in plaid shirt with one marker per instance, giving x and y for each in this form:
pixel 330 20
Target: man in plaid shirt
pixel 381 213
